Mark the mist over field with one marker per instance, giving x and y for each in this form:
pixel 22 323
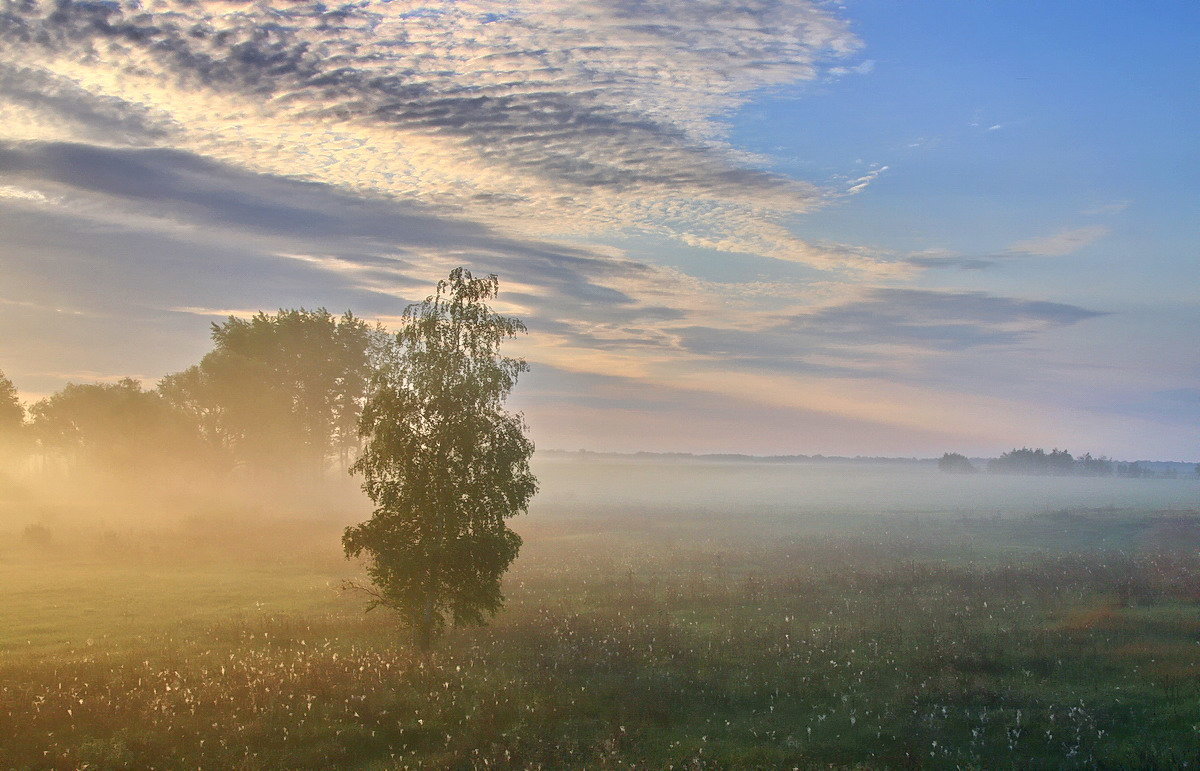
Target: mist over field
pixel 662 611
pixel 800 494
pixel 830 489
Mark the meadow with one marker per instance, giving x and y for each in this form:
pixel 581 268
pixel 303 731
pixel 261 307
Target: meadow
pixel 660 616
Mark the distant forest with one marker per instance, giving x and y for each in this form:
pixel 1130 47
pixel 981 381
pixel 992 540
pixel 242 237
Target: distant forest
pixel 1056 463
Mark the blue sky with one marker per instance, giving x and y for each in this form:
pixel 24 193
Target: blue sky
pixel 1003 118
pixel 771 227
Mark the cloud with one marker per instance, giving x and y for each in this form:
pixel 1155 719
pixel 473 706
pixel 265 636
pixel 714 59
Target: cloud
pixel 37 104
pixel 1060 244
pixel 14 193
pixel 160 233
pixel 861 184
pixel 939 319
pixel 865 67
pixel 938 258
pixel 1063 242
pixel 548 117
pixel 882 333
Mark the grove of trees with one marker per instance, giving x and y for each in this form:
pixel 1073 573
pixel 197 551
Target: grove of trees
pixel 1025 461
pixel 278 392
pixel 956 463
pixel 117 426
pixel 1057 462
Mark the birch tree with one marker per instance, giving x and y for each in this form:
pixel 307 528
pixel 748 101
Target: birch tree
pixel 444 462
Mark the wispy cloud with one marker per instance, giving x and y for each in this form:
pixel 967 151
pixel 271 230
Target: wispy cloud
pixel 865 67
pixel 15 193
pixel 1063 242
pixel 883 331
pixel 939 319
pixel 861 184
pixel 943 258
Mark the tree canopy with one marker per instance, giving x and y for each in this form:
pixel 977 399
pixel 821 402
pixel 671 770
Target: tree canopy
pixel 956 463
pixel 443 461
pixel 12 414
pixel 117 426
pixel 1036 462
pixel 281 389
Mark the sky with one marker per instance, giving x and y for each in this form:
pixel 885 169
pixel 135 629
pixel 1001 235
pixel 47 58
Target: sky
pixel 866 227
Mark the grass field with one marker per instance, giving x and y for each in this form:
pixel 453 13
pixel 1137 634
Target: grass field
pixel 656 637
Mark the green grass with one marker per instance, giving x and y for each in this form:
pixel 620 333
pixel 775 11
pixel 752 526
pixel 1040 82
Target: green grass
pixel 1044 642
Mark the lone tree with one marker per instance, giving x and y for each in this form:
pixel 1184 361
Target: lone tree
pixel 444 462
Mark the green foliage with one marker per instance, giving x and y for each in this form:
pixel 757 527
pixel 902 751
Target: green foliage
pixel 280 389
pixel 1094 467
pixel 1039 462
pixel 117 426
pixel 955 463
pixel 444 462
pixel 12 414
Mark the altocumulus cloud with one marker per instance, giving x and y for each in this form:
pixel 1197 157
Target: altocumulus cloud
pixel 600 113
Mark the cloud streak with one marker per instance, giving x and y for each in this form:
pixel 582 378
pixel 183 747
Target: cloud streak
pixel 1063 242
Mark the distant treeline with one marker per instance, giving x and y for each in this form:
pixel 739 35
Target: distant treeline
pixel 727 457
pixel 1054 463
pixel 277 392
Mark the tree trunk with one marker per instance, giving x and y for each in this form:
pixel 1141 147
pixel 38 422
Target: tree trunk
pixel 424 630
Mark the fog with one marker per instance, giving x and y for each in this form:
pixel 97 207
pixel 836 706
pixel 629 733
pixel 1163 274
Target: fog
pixel 702 586
pixel 592 484
pixel 574 486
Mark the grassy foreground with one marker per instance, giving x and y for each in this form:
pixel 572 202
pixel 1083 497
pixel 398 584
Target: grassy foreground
pixel 1064 640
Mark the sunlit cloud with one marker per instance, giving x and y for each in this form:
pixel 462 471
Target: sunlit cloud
pixel 861 184
pixel 204 239
pixel 20 194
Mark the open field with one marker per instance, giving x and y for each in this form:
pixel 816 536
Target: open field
pixel 699 617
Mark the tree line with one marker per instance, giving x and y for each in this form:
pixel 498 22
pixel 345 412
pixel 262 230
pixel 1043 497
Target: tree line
pixel 278 392
pixel 1038 462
